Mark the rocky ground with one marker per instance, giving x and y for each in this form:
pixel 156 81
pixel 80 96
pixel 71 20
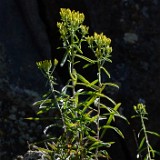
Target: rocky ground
pixel 133 26
pixel 16 132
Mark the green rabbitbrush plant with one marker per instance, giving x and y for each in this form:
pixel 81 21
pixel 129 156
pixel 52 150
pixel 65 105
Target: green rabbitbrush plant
pixel 80 120
pixel 80 108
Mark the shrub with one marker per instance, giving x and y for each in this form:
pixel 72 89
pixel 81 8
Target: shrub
pixel 80 109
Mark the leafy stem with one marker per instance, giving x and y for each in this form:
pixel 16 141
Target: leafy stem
pixel 146 137
pixel 144 145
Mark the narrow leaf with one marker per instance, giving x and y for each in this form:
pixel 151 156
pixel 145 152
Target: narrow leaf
pixel 87 65
pixel 104 96
pixel 84 80
pixel 112 115
pixel 94 82
pixel 107 73
pixel 104 154
pixel 52 146
pixel 44 150
pixel 42 102
pixel 93 118
pixel 141 143
pixel 112 85
pixel 152 151
pixel 93 139
pixel 85 58
pixel 153 133
pixel 114 128
pixel 99 144
pixel 64 59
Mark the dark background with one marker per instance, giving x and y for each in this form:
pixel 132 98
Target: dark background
pixel 28 33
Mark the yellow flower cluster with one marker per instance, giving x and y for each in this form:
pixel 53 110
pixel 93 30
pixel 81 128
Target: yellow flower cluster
pixel 101 44
pixel 71 22
pixel 84 29
pixel 72 17
pixel 99 39
pixel 45 65
pixel 140 109
pixel 62 29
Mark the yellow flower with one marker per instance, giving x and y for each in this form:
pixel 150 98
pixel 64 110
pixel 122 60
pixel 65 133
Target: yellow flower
pixel 100 44
pixel 140 109
pixel 45 65
pixel 72 18
pixel 84 29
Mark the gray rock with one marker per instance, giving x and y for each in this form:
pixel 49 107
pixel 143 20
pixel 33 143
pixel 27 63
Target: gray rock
pixel 24 40
pixel 130 37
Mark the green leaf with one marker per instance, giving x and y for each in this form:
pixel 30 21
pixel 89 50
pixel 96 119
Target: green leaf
pixel 42 102
pixel 112 85
pixel 87 65
pixel 91 138
pixel 102 118
pixel 44 150
pixel 78 49
pixel 93 118
pixel 81 78
pixel 43 110
pixel 113 128
pixel 52 146
pixel 33 118
pixel 103 154
pixel 88 103
pixel 89 85
pixel 99 144
pixel 107 73
pixel 108 60
pixel 112 115
pixel 142 150
pixel 141 143
pixel 115 114
pixel 40 119
pixel 85 58
pixel 94 82
pixel 64 59
pixel 153 133
pixel 135 116
pixel 104 96
pixel 105 107
pixel 152 151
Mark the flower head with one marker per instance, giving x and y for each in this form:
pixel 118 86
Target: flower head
pixel 100 44
pixel 45 65
pixel 140 109
pixel 71 18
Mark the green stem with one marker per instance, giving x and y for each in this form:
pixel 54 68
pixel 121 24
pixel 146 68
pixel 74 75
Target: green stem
pixel 98 109
pixel 50 77
pixel 136 141
pixel 73 79
pixel 146 137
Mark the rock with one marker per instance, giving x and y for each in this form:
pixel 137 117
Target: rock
pixel 23 41
pixel 130 38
